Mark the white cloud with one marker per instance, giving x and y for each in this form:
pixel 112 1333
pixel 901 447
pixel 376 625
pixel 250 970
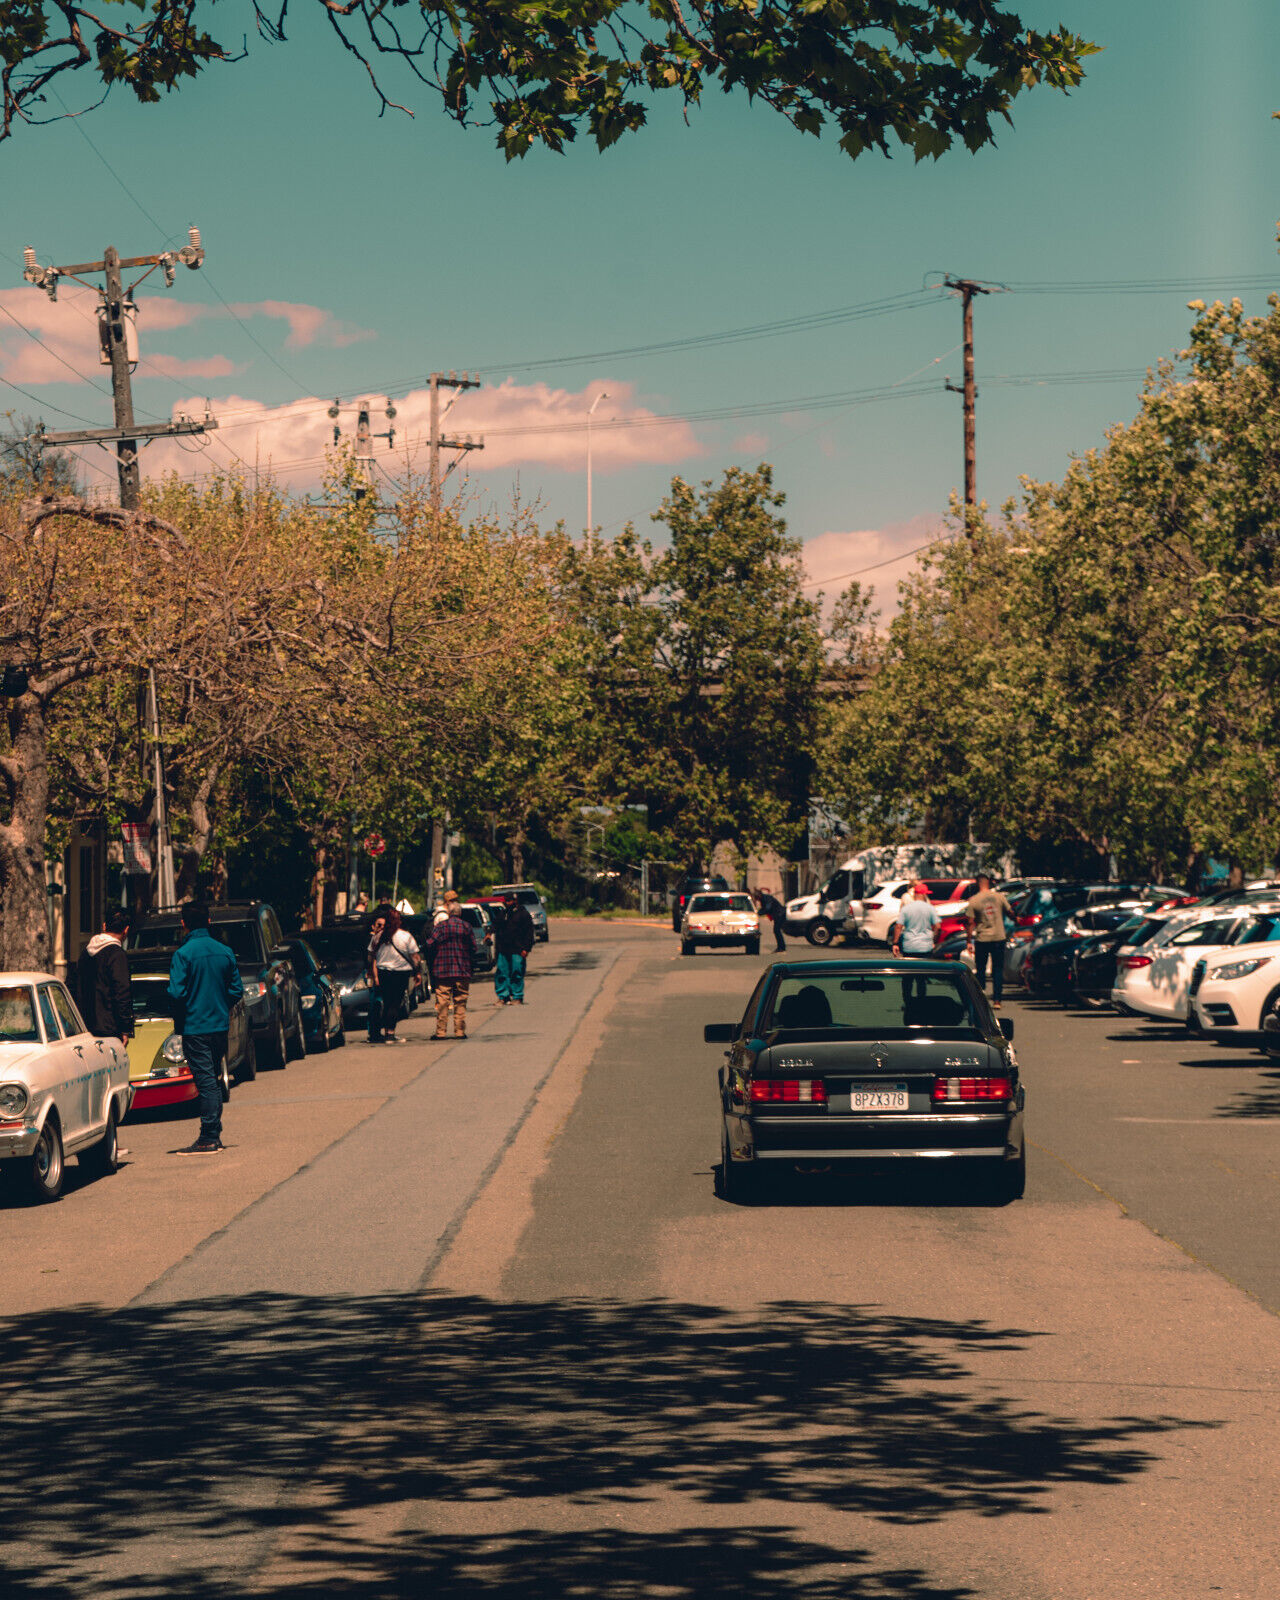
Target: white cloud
pixel 879 558
pixel 521 424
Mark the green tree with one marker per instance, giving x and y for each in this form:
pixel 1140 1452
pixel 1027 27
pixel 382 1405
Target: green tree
pixel 1098 665
pixel 703 662
pixel 927 76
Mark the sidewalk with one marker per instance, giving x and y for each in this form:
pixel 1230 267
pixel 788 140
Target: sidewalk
pixel 374 1211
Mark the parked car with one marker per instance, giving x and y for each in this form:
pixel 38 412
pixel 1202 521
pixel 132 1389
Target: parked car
pixel 842 1064
pixel 880 908
pixel 1093 973
pixel 1153 979
pixel 1049 969
pixel 158 1069
pixel 829 903
pixel 720 919
pixel 63 1091
pixel 251 931
pixel 1235 990
pixel 531 899
pixel 322 1019
pixel 483 931
pixel 342 948
pixel 694 883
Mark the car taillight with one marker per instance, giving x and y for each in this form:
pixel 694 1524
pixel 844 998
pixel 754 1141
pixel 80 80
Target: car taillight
pixel 1028 922
pixel 1132 963
pixel 962 1090
pixel 788 1091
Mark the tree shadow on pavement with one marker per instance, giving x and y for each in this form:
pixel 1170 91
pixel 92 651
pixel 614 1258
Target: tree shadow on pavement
pixel 1261 1100
pixel 407 1445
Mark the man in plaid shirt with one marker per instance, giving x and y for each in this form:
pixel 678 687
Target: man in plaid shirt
pixel 451 955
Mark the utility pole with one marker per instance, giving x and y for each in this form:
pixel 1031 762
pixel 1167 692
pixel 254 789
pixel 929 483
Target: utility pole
pixel 966 288
pixel 118 349
pixel 439 442
pixel 364 438
pixel 118 338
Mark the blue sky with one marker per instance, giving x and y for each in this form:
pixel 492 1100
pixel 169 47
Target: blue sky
pixel 416 247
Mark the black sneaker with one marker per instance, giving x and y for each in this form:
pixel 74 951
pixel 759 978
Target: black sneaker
pixel 202 1147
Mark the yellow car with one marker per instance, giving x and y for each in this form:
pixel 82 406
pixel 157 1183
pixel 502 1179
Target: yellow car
pixel 716 919
pixel 158 1069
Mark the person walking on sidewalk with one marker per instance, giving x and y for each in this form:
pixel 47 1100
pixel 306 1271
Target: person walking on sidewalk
pixel 204 984
pixel 102 981
pixel 915 933
pixel 984 916
pixel 393 960
pixel 451 956
pixel 514 939
pixel 772 907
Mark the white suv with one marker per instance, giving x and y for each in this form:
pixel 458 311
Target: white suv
pixel 1233 991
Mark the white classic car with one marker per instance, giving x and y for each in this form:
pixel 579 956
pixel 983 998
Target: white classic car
pixel 62 1091
pixel 716 919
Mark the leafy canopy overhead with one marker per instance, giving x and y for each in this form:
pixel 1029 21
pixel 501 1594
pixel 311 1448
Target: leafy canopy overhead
pixel 928 76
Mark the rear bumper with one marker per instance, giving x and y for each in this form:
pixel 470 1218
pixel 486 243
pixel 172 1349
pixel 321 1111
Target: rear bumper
pixel 150 1092
pixel 945 1136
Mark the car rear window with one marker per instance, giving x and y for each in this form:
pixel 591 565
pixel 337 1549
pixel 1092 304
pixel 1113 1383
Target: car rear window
pixel 241 938
pixel 722 902
pixel 17 1017
pixel 1258 930
pixel 873 1003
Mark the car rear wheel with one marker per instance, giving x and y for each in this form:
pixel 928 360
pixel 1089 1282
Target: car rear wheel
pixel 277 1047
pixel 687 947
pixel 47 1169
pixel 247 1071
pixel 820 933
pixel 224 1078
pixel 103 1158
pixel 1009 1180
pixel 736 1182
pixel 297 1046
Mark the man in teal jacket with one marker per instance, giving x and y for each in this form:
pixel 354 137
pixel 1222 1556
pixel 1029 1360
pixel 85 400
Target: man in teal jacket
pixel 204 983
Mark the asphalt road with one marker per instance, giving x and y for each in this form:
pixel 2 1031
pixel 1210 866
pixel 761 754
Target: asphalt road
pixel 471 1321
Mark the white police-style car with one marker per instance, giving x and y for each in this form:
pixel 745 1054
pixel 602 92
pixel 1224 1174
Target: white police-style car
pixel 62 1090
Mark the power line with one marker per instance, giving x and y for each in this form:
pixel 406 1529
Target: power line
pixel 81 376
pixel 903 555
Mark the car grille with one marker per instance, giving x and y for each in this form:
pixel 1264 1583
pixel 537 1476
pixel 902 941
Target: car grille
pixel 1197 975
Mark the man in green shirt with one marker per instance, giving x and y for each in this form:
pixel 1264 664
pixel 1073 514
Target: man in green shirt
pixel 984 918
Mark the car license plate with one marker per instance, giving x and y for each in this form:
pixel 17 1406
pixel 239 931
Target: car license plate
pixel 878 1097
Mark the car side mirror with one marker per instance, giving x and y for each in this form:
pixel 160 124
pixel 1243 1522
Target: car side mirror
pixel 1006 1028
pixel 280 952
pixel 720 1032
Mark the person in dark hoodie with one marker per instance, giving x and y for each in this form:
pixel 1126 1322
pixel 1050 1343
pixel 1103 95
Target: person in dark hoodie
pixel 514 938
pixel 102 981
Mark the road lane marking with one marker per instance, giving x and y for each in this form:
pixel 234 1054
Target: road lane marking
pixel 476 1251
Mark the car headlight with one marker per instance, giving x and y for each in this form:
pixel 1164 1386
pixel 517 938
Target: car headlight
pixel 1239 969
pixel 13 1099
pixel 171 1049
pixel 308 1001
pixel 354 987
pixel 254 991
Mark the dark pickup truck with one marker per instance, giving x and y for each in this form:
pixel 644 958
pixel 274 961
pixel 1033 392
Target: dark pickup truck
pixel 251 930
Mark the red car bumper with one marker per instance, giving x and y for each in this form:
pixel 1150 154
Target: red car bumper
pixel 163 1091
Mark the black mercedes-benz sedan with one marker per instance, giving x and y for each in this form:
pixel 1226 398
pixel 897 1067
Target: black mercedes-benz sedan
pixel 845 1065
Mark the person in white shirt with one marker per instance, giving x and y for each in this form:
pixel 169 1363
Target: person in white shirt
pixel 393 961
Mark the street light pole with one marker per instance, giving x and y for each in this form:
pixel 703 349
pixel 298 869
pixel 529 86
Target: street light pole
pixel 603 395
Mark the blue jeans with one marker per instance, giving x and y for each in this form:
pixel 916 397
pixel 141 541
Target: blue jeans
pixel 509 977
pixel 204 1053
